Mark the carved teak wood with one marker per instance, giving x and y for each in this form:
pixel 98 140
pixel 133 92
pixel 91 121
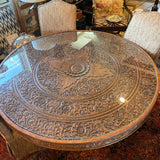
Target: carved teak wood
pixel 77 90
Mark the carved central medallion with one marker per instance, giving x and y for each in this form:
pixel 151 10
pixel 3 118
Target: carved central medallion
pixel 77 76
pixel 78 69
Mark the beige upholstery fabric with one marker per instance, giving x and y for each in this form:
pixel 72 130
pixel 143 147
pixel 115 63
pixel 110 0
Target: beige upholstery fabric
pixel 144 30
pixel 56 16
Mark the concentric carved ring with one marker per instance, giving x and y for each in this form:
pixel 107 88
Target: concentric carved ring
pixel 76 70
pixel 75 80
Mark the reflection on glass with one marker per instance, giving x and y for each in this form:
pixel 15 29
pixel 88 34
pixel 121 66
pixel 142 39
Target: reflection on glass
pixel 83 39
pixel 40 44
pixel 122 99
pixel 12 67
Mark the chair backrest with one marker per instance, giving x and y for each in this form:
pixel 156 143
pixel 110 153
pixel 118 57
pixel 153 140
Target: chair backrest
pixel 56 16
pixel 8 26
pixel 144 30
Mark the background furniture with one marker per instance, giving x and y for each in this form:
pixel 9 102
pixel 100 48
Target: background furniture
pixel 27 17
pixel 56 16
pixel 81 20
pixel 88 12
pixel 100 13
pixel 86 7
pixel 34 6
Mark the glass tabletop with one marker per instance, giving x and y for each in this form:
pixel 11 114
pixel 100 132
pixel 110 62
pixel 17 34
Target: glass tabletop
pixel 77 90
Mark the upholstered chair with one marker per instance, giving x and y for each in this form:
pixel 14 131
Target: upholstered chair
pixel 144 30
pixel 56 16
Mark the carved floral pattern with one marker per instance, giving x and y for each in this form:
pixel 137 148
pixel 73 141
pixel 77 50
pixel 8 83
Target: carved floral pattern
pixel 73 94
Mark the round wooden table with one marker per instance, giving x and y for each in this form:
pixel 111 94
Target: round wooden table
pixel 77 90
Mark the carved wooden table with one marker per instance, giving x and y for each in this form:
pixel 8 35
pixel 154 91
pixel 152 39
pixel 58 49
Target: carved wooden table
pixel 77 90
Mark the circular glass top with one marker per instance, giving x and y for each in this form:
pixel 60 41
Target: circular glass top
pixel 77 90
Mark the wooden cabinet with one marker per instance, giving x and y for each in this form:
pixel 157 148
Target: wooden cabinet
pixel 26 16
